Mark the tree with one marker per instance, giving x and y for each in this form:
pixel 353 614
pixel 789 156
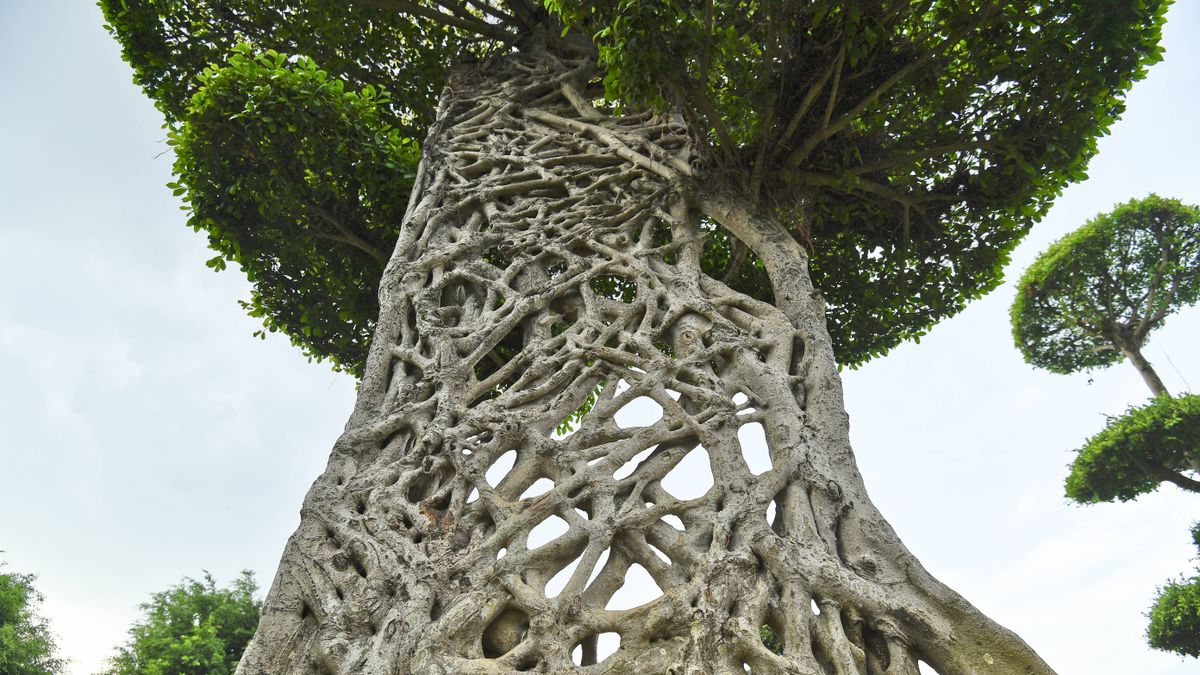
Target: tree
pixel 1093 298
pixel 26 644
pixel 1175 615
pixel 192 628
pixel 618 202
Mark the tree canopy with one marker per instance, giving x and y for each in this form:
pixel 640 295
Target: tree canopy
pixel 909 145
pixel 1095 295
pixel 1090 301
pixel 26 644
pixel 1137 451
pixel 307 204
pixel 192 628
pixel 1175 615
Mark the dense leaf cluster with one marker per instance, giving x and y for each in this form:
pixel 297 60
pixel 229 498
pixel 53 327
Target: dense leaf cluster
pixel 1175 615
pixel 297 173
pixel 300 182
pixel 1175 618
pixel 26 645
pixel 1108 285
pixel 170 42
pixel 1139 450
pixel 909 144
pixel 193 628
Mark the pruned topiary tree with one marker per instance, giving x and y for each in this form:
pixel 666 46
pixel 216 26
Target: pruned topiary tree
pixel 1138 451
pixel 1093 298
pixel 694 209
pixel 1175 614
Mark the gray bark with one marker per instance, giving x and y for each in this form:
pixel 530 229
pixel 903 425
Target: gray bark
pixel 1130 349
pixel 408 561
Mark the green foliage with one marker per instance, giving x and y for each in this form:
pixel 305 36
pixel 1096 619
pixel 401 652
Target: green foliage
pixel 614 287
pixel 909 145
pixel 298 180
pixel 576 417
pixel 288 166
pixel 26 645
pixel 1112 281
pixel 193 628
pixel 1139 450
pixel 1175 615
pixel 1175 618
pixel 769 639
pixel 170 42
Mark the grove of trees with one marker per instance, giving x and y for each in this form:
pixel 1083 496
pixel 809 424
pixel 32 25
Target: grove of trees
pixel 504 216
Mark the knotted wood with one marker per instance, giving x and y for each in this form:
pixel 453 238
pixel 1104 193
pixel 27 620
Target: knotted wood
pixel 548 270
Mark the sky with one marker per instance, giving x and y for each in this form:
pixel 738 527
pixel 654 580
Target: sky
pixel 145 436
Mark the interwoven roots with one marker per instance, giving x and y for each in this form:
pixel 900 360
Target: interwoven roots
pixel 549 270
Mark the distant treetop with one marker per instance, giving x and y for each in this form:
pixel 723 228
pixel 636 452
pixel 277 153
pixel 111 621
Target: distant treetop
pixel 1095 295
pixel 192 628
pixel 1175 615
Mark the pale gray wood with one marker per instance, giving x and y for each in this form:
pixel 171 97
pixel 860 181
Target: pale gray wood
pixel 396 565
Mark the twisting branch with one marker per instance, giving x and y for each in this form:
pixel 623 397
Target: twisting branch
pixel 503 17
pixel 610 139
pixel 908 158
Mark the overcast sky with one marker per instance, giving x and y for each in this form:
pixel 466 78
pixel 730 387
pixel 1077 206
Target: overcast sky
pixel 145 436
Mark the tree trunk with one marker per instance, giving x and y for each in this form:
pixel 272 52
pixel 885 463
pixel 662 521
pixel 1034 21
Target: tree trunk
pixel 551 251
pixel 1129 347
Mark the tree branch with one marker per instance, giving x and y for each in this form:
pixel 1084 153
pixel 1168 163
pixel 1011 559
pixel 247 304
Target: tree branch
pixel 831 129
pixel 473 25
pixel 768 118
pixel 492 11
pixel 697 97
pixel 739 256
pixel 901 160
pixel 1161 472
pixel 811 97
pixel 1151 316
pixel 1131 351
pixel 610 139
pixel 871 187
pixel 1181 480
